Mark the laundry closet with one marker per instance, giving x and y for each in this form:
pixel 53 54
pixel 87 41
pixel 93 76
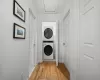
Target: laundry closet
pixel 49 41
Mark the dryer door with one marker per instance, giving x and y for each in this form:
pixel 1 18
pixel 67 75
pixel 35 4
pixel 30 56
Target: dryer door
pixel 48 33
pixel 48 50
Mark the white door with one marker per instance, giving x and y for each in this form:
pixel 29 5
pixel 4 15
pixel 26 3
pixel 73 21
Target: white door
pixel 66 39
pixel 89 40
pixel 32 41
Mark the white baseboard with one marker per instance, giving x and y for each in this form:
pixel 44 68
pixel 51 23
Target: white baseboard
pixel 31 72
pixel 49 60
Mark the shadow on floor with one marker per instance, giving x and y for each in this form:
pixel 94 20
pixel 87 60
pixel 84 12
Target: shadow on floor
pixel 64 70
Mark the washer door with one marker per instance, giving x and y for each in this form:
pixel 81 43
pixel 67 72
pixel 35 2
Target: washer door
pixel 48 50
pixel 48 33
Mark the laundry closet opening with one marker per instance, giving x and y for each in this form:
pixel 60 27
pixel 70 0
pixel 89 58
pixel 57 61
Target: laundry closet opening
pixel 50 41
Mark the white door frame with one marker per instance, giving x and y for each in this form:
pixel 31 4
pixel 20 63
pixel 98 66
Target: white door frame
pixel 64 18
pixel 56 29
pixel 57 42
pixel 35 42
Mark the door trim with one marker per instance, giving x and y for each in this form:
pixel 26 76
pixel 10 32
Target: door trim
pixel 64 18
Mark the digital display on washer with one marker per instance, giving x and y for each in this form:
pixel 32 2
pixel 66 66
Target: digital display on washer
pixel 48 33
pixel 48 50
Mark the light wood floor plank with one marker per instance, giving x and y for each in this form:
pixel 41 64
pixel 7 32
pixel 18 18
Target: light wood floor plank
pixel 48 71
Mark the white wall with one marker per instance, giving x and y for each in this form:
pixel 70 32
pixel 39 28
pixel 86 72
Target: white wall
pixel 14 53
pixel 84 45
pixel 89 40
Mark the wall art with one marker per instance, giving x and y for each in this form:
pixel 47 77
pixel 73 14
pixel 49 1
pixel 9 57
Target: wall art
pixel 18 11
pixel 19 32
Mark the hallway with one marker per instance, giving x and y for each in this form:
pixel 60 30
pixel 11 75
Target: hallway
pixel 49 71
pixel 65 33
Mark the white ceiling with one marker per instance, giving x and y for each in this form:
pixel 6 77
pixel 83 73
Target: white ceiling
pixel 50 6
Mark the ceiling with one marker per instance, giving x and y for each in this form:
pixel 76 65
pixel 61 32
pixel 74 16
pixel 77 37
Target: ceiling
pixel 50 6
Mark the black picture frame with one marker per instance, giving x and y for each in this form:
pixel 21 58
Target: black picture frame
pixel 19 32
pixel 20 13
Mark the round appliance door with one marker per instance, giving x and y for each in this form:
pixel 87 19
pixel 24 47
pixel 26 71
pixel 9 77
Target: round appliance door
pixel 48 50
pixel 48 33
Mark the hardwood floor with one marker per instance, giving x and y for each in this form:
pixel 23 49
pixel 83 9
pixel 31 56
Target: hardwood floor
pixel 49 71
pixel 64 70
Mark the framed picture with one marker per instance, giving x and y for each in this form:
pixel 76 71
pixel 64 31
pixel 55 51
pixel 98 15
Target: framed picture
pixel 19 32
pixel 18 11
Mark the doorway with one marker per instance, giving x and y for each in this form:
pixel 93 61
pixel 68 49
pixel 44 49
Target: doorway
pixel 32 41
pixel 50 38
pixel 66 26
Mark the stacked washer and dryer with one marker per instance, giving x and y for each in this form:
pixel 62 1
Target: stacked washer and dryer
pixel 48 43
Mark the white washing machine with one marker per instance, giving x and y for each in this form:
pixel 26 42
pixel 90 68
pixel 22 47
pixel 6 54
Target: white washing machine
pixel 48 33
pixel 48 50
